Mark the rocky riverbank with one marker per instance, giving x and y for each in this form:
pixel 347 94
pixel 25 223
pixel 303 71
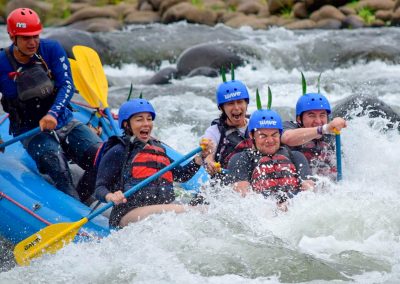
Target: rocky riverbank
pixel 110 15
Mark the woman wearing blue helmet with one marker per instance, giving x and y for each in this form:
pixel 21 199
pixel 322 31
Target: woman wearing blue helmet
pixel 267 167
pixel 135 156
pixel 230 129
pixel 310 134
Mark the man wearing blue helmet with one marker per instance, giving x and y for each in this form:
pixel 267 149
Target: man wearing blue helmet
pixel 134 157
pixel 267 167
pixel 311 133
pixel 230 129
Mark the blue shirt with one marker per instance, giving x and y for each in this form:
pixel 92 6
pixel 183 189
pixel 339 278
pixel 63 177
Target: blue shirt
pixel 57 61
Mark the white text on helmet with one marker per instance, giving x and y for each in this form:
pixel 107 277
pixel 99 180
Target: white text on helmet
pixel 232 95
pixel 267 122
pixel 21 25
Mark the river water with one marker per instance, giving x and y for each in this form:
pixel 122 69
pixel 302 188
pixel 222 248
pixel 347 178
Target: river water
pixel 345 232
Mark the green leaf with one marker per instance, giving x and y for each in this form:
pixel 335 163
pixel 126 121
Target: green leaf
pixel 232 72
pixel 130 92
pixel 223 75
pixel 141 95
pixel 258 100
pixel 269 98
pixel 303 83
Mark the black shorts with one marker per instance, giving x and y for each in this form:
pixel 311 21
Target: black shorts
pixel 144 197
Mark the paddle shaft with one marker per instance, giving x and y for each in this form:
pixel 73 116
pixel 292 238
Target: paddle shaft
pixel 20 137
pixel 146 182
pixel 338 158
pixel 112 121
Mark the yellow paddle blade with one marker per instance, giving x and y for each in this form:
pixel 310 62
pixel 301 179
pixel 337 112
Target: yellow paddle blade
pixel 82 86
pixel 48 240
pixel 92 71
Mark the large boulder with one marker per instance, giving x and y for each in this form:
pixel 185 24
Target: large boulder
pixel 70 37
pixel 327 12
pixel 190 13
pixel 207 55
pixel 360 105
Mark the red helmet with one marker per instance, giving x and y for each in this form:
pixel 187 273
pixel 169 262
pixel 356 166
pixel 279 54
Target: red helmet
pixel 23 21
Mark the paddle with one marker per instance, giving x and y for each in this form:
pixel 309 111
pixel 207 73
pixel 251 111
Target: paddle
pixel 20 137
pixel 93 73
pixel 86 93
pixel 338 156
pixel 54 237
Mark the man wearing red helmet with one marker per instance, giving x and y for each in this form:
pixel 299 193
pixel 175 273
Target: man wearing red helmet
pixel 36 87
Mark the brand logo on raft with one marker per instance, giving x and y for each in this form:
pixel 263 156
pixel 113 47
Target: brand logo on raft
pixel 21 25
pixel 33 243
pixel 267 122
pixel 232 95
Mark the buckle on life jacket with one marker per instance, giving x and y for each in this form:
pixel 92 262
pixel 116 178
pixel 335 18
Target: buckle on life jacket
pixel 13 75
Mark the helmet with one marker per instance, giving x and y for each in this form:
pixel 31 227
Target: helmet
pixel 265 118
pixel 231 91
pixel 132 107
pixel 312 101
pixel 23 21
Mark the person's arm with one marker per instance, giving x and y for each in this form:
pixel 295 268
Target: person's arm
pixel 57 60
pixel 239 173
pixel 303 170
pixel 109 172
pixel 298 136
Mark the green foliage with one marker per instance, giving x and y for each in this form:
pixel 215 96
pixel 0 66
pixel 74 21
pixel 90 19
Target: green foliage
pixel 286 12
pixel 198 3
pixel 367 14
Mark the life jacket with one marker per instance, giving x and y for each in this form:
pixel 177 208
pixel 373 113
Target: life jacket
pixel 228 144
pixel 143 161
pixel 36 93
pixel 320 154
pixel 275 173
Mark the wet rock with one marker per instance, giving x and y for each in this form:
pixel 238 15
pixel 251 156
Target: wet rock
pixel 353 22
pixel 41 7
pixel 188 12
pixel 92 12
pixel 162 77
pixel 384 15
pixel 250 7
pixel 377 23
pixel 396 18
pixel 141 17
pixel 371 106
pixel 247 20
pixel 70 37
pixel 207 55
pixel 300 10
pixel 347 10
pixel 204 71
pixel 97 25
pixel 301 25
pixel 166 4
pixel 327 12
pixel 328 24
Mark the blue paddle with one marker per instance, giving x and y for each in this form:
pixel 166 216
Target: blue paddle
pixel 20 137
pixel 54 237
pixel 338 156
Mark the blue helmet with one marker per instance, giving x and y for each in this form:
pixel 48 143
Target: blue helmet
pixel 231 91
pixel 132 107
pixel 312 101
pixel 265 118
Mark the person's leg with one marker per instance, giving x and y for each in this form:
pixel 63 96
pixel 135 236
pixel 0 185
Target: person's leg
pixel 81 145
pixel 50 159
